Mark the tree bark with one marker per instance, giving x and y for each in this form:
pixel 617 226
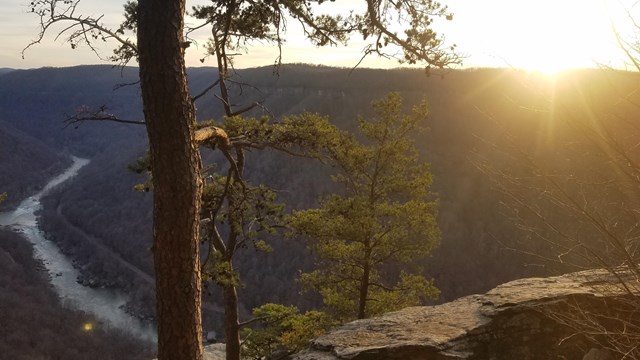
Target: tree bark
pixel 364 291
pixel 231 322
pixel 364 281
pixel 175 162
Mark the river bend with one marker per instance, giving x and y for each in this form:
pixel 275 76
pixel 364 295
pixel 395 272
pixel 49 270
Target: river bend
pixel 105 304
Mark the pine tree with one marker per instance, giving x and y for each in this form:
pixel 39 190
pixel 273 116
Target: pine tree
pixel 370 240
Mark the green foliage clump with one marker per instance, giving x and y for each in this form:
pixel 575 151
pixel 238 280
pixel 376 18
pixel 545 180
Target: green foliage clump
pixel 282 328
pixel 307 134
pixel 142 165
pixel 370 240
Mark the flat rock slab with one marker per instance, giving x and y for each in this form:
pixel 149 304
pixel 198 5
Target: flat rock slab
pixel 508 322
pixel 214 352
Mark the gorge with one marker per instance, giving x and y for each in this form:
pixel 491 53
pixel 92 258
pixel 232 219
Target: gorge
pixel 105 304
pixel 471 112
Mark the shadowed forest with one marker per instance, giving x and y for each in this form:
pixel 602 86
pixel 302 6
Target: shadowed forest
pixel 476 116
pixel 35 324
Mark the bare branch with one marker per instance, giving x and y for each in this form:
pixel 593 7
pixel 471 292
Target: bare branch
pixel 101 114
pixel 120 86
pixel 81 27
pixel 206 90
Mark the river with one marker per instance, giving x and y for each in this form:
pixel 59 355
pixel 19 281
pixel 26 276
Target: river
pixel 104 304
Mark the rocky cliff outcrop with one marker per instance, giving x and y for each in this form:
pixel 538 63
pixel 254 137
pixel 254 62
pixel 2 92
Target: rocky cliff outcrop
pixel 214 352
pixel 522 319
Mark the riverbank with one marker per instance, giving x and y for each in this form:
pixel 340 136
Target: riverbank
pixel 36 324
pixel 106 304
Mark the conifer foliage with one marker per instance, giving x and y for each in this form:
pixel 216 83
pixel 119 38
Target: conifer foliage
pixel 369 240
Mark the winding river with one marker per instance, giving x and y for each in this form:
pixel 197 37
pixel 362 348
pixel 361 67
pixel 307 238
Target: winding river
pixel 105 304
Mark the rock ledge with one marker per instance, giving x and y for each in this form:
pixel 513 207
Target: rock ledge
pixel 509 322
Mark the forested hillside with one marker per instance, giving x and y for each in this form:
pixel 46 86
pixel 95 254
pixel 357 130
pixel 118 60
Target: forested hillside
pixel 25 164
pixel 471 111
pixel 34 323
pixel 38 101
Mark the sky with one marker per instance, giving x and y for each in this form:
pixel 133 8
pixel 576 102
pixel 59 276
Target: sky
pixel 540 35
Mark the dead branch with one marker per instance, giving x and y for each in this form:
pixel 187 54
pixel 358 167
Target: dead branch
pixel 212 137
pixel 206 90
pixel 101 114
pixel 80 29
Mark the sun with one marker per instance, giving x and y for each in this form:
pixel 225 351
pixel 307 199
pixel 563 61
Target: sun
pixel 553 36
pixel 550 66
pixel 549 36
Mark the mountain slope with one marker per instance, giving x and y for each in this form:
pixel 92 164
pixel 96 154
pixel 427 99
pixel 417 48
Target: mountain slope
pixel 470 110
pixel 26 164
pixel 34 323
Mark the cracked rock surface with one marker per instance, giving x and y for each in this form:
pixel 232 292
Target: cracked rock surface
pixel 512 321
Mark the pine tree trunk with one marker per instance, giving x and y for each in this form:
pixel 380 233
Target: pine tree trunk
pixel 175 161
pixel 364 291
pixel 364 282
pixel 231 321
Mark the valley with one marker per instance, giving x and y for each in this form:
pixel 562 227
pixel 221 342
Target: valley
pixel 100 222
pixel 105 304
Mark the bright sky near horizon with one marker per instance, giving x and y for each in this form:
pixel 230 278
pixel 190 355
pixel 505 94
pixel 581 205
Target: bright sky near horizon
pixel 543 35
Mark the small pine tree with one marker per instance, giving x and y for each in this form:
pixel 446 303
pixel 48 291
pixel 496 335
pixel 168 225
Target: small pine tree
pixel 282 328
pixel 369 241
